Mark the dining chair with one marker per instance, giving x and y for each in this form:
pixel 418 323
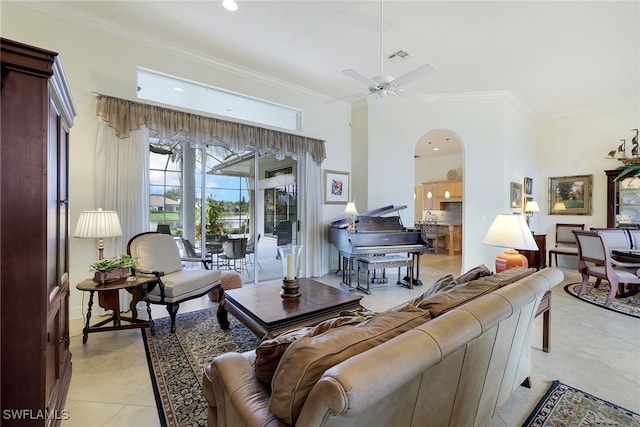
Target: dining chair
pixel 251 250
pixel 565 242
pixel 595 261
pixel 191 255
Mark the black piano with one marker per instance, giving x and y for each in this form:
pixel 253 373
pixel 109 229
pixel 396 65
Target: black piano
pixel 375 234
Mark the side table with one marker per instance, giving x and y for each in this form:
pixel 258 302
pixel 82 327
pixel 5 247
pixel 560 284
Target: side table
pixel 138 288
pixel 537 259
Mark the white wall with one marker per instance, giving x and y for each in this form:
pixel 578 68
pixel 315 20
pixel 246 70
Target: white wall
pixel 491 130
pixel 578 145
pixel 106 63
pixel 428 169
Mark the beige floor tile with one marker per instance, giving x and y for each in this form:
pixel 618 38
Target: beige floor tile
pixel 83 414
pixel 135 416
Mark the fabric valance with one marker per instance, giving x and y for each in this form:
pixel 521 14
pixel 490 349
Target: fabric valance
pixel 125 116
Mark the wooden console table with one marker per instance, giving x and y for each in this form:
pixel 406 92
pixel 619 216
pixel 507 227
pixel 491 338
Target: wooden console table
pixel 545 309
pixel 109 293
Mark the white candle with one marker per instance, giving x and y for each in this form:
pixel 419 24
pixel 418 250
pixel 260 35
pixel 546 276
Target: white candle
pixel 291 267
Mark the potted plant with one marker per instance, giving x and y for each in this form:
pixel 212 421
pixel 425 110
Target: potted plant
pixel 114 268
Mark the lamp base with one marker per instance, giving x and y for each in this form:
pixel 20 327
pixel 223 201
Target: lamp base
pixel 509 259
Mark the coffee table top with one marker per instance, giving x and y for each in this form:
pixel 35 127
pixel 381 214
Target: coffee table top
pixel 263 307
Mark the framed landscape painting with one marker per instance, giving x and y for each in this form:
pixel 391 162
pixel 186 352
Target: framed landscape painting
pixel 336 187
pixel 570 195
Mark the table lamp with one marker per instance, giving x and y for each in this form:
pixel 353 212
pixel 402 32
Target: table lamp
pixel 559 206
pixel 98 225
pixel 529 208
pixel 510 231
pixel 351 210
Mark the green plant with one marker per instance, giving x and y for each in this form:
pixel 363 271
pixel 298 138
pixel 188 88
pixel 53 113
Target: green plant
pixel 109 264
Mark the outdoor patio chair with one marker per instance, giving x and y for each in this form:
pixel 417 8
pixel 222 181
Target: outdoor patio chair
pixel 233 253
pixel 192 256
pixel 156 254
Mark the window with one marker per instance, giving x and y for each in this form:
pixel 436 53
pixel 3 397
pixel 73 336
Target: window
pixel 179 92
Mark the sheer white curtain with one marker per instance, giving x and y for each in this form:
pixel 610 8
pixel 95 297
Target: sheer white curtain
pixel 122 185
pixel 311 225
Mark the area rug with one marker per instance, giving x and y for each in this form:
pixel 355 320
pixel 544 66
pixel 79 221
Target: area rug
pixel 597 296
pixel 565 406
pixel 176 362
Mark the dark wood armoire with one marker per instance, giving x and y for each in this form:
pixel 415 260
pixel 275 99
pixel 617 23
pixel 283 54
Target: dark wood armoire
pixel 37 113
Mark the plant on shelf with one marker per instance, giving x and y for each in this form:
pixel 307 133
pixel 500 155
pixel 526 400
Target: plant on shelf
pixel 113 268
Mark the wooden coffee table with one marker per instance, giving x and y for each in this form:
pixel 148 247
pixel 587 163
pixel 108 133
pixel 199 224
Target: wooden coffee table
pixel 261 308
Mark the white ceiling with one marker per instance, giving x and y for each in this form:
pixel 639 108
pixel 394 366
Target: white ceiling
pixel 556 57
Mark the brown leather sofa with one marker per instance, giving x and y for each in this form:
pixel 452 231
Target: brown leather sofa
pixel 456 369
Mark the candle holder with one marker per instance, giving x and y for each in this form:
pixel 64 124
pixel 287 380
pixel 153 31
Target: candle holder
pixel 290 257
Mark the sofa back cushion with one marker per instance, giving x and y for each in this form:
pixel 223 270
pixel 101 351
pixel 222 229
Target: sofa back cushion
pixel 442 302
pixel 304 361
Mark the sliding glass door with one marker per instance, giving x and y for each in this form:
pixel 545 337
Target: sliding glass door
pixel 210 195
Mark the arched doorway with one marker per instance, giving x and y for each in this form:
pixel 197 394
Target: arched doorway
pixel 439 188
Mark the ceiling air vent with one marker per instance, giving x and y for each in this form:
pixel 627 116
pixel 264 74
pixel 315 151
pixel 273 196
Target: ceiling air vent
pixel 398 56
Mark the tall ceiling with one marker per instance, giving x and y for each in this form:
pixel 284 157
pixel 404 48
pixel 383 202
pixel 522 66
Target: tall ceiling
pixel 556 57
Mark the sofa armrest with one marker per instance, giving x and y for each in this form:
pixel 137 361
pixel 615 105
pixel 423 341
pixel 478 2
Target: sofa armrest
pixel 233 390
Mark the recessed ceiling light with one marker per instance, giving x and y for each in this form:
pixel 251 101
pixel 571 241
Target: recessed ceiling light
pixel 230 5
pixel 177 89
pixel 436 149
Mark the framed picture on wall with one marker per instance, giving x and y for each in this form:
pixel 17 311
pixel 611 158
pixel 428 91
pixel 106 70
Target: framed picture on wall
pixel 515 192
pixel 336 187
pixel 528 186
pixel 570 195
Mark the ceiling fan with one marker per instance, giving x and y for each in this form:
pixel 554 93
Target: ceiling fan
pixel 384 85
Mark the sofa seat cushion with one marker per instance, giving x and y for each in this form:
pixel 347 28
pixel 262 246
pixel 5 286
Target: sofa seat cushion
pixel 445 301
pixel 305 360
pixel 184 284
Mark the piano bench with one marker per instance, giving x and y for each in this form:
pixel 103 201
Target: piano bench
pixel 380 262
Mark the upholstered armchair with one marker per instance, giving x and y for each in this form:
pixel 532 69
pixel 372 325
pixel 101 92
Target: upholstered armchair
pixel 157 254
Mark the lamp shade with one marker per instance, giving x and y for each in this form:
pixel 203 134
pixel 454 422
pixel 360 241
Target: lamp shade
pixel 559 206
pixel 350 209
pixel 510 231
pixel 98 224
pixel 531 206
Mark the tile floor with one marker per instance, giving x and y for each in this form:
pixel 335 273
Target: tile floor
pixel 592 349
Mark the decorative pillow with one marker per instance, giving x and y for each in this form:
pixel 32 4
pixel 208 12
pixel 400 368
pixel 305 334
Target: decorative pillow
pixel 308 358
pixel 474 274
pixel 270 351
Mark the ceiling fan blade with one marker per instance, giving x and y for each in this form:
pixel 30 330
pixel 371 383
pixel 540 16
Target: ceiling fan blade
pixel 349 98
pixel 359 77
pixel 414 74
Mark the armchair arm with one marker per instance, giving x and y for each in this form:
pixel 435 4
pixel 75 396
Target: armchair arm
pixel 616 263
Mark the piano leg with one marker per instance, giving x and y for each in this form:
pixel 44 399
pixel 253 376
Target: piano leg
pixel 416 276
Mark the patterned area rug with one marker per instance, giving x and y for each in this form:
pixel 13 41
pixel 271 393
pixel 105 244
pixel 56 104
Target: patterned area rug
pixel 176 362
pixel 569 407
pixel 629 306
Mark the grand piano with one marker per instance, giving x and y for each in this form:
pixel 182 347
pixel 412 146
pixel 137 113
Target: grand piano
pixel 375 234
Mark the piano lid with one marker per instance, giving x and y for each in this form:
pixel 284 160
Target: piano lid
pixel 385 210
